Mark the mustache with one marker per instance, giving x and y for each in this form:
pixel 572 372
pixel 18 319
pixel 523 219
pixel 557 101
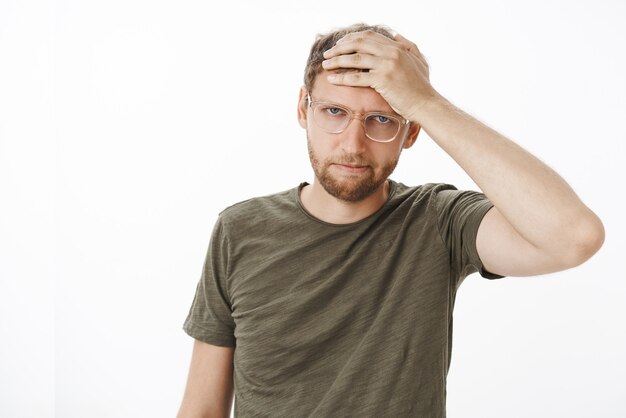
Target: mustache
pixel 349 160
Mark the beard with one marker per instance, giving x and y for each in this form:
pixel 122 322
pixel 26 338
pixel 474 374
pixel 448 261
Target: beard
pixel 350 188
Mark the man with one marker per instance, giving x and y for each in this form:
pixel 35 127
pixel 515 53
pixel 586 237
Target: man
pixel 338 295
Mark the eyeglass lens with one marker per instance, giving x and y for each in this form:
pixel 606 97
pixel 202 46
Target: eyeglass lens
pixel 377 126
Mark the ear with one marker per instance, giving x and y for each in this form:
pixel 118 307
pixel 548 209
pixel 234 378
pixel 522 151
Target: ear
pixel 414 130
pixel 302 107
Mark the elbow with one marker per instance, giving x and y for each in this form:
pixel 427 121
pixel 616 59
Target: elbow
pixel 588 240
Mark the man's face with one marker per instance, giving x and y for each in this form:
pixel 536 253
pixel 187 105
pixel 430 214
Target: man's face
pixel 349 165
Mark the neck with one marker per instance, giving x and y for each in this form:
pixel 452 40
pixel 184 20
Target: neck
pixel 325 207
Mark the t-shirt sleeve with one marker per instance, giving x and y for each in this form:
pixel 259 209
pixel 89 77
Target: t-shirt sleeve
pixel 210 316
pixel 459 213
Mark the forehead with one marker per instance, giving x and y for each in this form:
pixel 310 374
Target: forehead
pixel 360 99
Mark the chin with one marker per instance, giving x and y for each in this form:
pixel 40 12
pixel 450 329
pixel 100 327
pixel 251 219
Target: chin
pixel 350 190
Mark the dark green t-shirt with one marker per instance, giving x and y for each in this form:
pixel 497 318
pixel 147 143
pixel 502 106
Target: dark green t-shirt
pixel 339 320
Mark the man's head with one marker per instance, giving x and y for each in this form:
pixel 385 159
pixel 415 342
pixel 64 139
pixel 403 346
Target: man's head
pixel 326 41
pixel 331 152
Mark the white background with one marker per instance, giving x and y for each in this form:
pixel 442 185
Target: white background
pixel 126 126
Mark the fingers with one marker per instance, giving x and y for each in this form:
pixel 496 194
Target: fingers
pixel 367 50
pixel 373 43
pixel 362 61
pixel 352 78
pixel 362 50
pixel 408 44
pixel 356 45
pixel 411 47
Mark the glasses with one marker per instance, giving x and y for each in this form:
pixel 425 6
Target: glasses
pixel 334 119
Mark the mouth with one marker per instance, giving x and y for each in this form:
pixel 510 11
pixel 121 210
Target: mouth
pixel 351 168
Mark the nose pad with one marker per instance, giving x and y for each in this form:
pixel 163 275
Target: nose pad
pixel 354 138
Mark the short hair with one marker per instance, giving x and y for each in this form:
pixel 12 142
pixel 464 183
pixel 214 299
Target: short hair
pixel 323 42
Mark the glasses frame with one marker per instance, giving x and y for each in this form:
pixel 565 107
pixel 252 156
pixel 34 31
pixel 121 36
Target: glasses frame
pixel 355 115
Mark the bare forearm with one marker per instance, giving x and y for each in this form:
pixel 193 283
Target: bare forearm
pixel 535 200
pixel 209 390
pixel 196 406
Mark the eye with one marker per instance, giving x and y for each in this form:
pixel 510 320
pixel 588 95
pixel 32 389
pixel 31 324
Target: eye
pixel 334 111
pixel 382 119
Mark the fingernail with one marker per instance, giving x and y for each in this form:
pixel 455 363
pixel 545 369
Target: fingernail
pixel 330 77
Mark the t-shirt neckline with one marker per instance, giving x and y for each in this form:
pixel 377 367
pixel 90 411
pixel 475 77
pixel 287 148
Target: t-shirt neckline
pixel 296 192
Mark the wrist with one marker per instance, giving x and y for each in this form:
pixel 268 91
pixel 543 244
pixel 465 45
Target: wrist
pixel 428 104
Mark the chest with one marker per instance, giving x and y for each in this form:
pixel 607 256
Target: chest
pixel 307 298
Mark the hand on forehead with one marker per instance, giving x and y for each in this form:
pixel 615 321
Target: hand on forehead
pixel 354 41
pixel 395 68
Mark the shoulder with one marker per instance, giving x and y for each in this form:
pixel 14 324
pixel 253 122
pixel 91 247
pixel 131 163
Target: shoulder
pixel 425 193
pixel 440 200
pixel 443 194
pixel 258 209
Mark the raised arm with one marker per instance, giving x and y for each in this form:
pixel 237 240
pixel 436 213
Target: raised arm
pixel 538 224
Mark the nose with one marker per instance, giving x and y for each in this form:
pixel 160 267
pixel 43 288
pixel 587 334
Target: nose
pixel 353 138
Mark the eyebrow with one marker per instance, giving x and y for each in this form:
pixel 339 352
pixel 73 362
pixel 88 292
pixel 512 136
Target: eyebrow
pixel 390 112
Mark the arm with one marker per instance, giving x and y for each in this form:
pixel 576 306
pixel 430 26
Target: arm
pixel 209 390
pixel 538 224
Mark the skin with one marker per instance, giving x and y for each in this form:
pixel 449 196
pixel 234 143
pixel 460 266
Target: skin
pixel 538 224
pixel 352 147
